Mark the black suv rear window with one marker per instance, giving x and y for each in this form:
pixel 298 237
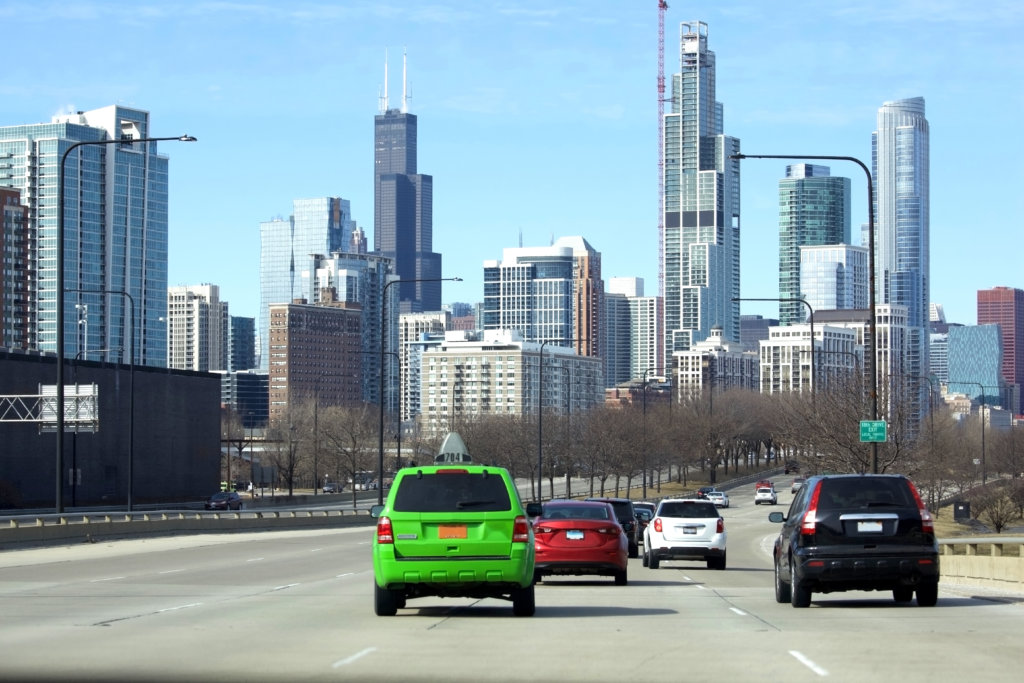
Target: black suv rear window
pixel 452 492
pixel 688 510
pixel 864 492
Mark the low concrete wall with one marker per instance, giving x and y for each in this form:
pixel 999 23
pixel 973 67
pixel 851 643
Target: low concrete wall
pixel 64 529
pixel 980 561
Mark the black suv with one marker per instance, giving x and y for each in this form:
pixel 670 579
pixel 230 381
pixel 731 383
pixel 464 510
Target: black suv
pixel 856 532
pixel 626 514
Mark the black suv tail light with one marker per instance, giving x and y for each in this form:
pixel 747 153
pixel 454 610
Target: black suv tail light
pixel 808 524
pixel 927 523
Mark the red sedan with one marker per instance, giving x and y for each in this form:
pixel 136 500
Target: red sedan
pixel 575 537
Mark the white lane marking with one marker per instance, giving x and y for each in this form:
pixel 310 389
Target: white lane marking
pixel 349 660
pixel 800 657
pixel 703 588
pixel 315 550
pixel 738 611
pixel 171 609
pixel 109 578
pixel 341 576
pixel 287 585
pixel 172 571
pixel 254 559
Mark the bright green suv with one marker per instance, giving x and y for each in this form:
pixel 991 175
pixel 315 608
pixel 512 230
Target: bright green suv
pixel 453 531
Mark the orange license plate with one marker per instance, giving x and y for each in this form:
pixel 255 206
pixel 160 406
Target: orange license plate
pixel 451 531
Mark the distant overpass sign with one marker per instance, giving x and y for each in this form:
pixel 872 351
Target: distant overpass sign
pixel 873 430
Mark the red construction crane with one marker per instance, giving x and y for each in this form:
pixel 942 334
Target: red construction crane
pixel 662 8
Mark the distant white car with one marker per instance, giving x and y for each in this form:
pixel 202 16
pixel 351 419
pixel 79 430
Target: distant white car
pixel 719 498
pixel 763 494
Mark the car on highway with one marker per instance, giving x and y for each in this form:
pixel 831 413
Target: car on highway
pixel 224 500
pixel 868 532
pixel 626 514
pixel 576 537
pixel 332 487
pixel 719 498
pixel 643 518
pixel 765 494
pixel 797 483
pixel 457 530
pixel 703 491
pixel 686 529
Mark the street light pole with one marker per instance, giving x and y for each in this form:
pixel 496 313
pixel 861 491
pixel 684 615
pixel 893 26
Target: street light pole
pixel 644 475
pixel 383 343
pixel 872 318
pixel 59 308
pixel 131 383
pixel 540 412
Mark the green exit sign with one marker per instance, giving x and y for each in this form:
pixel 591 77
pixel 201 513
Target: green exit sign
pixel 873 430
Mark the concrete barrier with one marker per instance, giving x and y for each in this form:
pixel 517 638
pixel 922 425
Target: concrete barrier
pixel 983 561
pixel 64 529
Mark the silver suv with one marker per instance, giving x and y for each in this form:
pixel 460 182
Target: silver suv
pixel 685 529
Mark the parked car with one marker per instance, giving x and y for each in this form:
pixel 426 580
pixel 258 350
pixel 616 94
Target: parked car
pixel 856 532
pixel 224 500
pixel 575 537
pixel 797 483
pixel 686 529
pixel 626 514
pixel 332 487
pixel 719 498
pixel 764 494
pixel 455 530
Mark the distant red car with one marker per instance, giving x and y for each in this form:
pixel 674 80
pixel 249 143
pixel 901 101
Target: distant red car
pixel 576 537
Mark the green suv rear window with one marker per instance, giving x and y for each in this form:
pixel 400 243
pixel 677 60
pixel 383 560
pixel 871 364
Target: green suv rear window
pixel 452 492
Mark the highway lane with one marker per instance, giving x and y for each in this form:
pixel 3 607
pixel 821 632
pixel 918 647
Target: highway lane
pixel 298 605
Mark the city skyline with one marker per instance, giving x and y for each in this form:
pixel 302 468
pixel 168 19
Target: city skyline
pixel 548 108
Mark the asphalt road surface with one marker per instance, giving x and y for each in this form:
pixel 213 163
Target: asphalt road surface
pixel 299 606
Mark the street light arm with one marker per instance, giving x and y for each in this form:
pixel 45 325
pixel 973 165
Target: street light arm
pixel 380 397
pixel 59 310
pixel 872 318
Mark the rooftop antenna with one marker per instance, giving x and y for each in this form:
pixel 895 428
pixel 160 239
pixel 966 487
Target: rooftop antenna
pixel 405 107
pixel 384 100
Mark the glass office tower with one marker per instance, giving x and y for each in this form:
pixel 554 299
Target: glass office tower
pixel 701 240
pixel 316 226
pixel 115 232
pixel 814 209
pixel 900 160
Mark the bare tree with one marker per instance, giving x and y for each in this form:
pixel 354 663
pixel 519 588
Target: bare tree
pixel 349 437
pixel 995 507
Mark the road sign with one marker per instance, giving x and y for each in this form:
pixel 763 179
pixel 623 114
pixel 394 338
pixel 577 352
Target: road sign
pixel 873 430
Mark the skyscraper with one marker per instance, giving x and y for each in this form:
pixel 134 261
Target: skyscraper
pixel 1005 306
pixel 814 208
pixel 552 294
pixel 701 255
pixel 403 211
pixel 900 160
pixel 197 329
pixel 115 230
pixel 834 277
pixel 316 226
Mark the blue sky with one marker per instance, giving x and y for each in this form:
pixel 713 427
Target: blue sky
pixel 536 118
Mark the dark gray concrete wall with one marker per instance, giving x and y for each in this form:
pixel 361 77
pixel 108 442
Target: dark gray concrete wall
pixel 176 454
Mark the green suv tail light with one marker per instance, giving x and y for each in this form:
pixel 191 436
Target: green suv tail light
pixel 384 532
